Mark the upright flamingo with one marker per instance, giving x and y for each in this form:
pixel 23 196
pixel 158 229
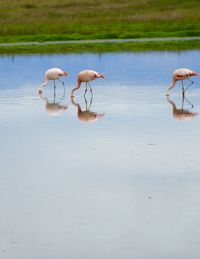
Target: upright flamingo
pixel 86 76
pixel 52 74
pixel 181 74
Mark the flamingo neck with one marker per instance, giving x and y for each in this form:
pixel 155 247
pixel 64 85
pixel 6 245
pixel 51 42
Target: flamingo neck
pixel 78 86
pixel 45 82
pixel 172 83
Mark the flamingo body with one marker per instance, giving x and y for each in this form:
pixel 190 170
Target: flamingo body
pixel 52 74
pixel 86 76
pixel 181 74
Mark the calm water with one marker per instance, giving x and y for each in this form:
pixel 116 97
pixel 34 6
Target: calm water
pixel 124 184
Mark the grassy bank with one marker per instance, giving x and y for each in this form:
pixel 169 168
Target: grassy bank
pixel 44 20
pixel 102 47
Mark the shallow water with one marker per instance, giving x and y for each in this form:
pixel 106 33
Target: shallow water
pixel 124 184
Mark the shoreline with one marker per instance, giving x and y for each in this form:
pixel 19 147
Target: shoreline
pixel 97 41
pixel 107 45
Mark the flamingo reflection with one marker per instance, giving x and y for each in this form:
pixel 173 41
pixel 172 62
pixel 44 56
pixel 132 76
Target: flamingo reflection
pixel 55 106
pixel 181 113
pixel 86 115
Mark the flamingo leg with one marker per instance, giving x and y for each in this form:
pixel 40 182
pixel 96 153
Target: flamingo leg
pixel 60 81
pixel 54 93
pixel 183 100
pixel 85 103
pixel 192 106
pixel 191 83
pixel 183 90
pixel 90 102
pixel 63 84
pixel 90 89
pixel 85 89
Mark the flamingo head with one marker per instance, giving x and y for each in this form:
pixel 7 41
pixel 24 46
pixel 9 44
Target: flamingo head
pixel 65 73
pixel 98 75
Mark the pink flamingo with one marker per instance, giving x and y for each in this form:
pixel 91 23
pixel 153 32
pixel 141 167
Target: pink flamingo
pixel 52 74
pixel 181 74
pixel 86 76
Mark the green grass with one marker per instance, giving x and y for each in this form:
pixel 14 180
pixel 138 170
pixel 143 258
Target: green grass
pixel 33 20
pixel 105 47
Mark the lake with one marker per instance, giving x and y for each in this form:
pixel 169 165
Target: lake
pixel 115 176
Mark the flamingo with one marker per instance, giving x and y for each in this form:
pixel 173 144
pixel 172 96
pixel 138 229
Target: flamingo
pixel 86 76
pixel 52 74
pixel 181 74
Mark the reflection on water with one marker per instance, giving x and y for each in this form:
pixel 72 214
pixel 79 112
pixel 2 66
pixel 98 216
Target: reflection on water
pixel 126 186
pixel 54 107
pixel 182 113
pixel 86 115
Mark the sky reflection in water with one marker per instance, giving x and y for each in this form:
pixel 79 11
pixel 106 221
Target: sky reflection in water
pixel 123 184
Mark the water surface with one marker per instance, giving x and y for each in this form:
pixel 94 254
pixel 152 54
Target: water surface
pixel 123 184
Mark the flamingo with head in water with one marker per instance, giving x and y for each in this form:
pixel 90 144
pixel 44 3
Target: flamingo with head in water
pixel 181 74
pixel 86 76
pixel 52 74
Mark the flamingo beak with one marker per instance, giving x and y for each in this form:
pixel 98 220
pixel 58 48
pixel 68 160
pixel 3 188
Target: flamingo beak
pixel 101 76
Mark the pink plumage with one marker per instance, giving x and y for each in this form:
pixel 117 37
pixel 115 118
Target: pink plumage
pixel 86 76
pixel 181 74
pixel 52 74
